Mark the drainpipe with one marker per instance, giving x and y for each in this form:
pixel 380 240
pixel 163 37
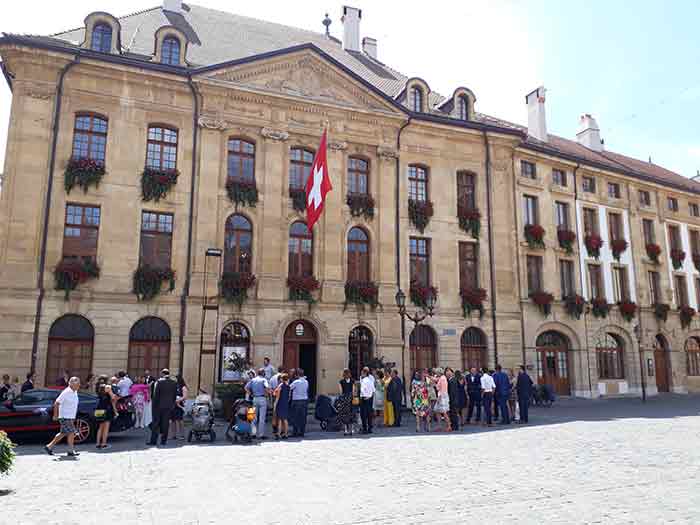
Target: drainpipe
pixel 47 209
pixel 583 284
pixel 186 287
pixel 517 263
pixel 492 265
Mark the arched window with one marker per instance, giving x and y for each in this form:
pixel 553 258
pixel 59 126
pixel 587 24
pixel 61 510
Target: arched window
pixel 300 161
pixel 161 149
pixel 238 245
pixel 423 347
pixel 466 190
pixel 149 346
pixel 170 51
pixel 90 137
pixel 692 350
pixel 463 107
pixel 235 338
pixel 101 38
pixel 609 352
pixel 241 161
pixel 360 349
pixel 301 250
pixel 416 99
pixel 417 183
pixel 474 352
pixel 358 255
pixel 358 176
pixel 70 349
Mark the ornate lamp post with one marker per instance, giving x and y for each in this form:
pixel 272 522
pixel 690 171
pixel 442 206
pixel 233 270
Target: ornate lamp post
pixel 638 333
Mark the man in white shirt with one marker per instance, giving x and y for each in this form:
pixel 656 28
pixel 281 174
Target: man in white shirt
pixel 300 403
pixel 124 384
pixel 65 409
pixel 367 390
pixel 488 386
pixel 269 369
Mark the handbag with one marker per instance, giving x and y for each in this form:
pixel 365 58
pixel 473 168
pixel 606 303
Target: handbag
pixel 100 414
pixel 355 401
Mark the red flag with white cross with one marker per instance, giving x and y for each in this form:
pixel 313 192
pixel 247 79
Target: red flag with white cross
pixel 318 185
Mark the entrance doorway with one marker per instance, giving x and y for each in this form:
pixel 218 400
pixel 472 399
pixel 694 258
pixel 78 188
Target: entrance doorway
pixel 300 350
pixel 553 362
pixel 359 350
pixel 661 364
pixel 423 348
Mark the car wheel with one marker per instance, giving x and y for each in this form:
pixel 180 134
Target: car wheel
pixel 83 429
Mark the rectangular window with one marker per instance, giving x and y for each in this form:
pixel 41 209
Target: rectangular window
pixel 613 190
pixel 672 204
pixel 531 215
pixel 156 239
pixel 588 184
pixel 620 284
pixel 417 183
pixel 561 210
pixel 655 287
pixel 161 148
pixel 674 237
pixel 644 198
pixel 590 221
pixel 595 282
pixel 694 209
pixel 566 274
pixel 468 265
pixel 420 260
pixel 681 289
pixel 615 226
pixel 466 190
pixel 694 241
pixel 358 176
pixel 80 232
pixel 90 138
pixel 559 177
pixel 534 274
pixel 648 229
pixel 528 170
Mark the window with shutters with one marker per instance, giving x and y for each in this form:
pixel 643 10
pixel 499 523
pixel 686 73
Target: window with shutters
pixel 567 278
pixel 674 237
pixel 161 148
pixel 300 162
pixel 358 255
pixel 528 169
pixel 681 289
pixel 468 265
pixel 655 287
pixel 615 226
pixel 595 282
pixel 419 250
pixel 156 239
pixel 358 176
pixel 534 274
pixel 466 190
pixel 620 284
pixel 101 38
pixel 590 221
pixel 90 137
pixel 561 210
pixel 648 229
pixel 80 232
pixel 241 161
pixel 418 183
pixel 170 51
pixel 301 250
pixel 530 211
pixel 238 244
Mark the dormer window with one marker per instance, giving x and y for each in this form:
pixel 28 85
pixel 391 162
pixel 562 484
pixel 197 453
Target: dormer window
pixel 416 99
pixel 170 52
pixel 101 38
pixel 463 107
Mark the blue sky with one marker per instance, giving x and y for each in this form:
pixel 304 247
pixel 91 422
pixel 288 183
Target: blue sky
pixel 633 65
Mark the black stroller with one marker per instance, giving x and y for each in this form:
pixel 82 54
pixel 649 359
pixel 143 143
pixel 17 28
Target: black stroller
pixel 326 414
pixel 542 395
pixel 240 426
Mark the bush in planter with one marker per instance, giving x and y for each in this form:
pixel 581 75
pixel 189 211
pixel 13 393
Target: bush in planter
pixel 298 197
pixel 534 235
pixel 302 288
pixel 618 247
pixel 472 299
pixel 148 281
pixel 361 204
pixel 593 244
pixel 653 252
pixel 235 286
pixel 574 305
pixel 469 220
pixel 627 310
pixel 686 314
pixel 83 173
pixel 419 294
pixel 566 240
pixel 600 307
pixel 543 300
pixel 155 183
pixel 661 311
pixel 69 274
pixel 420 212
pixel 7 453
pixel 677 258
pixel 361 293
pixel 242 192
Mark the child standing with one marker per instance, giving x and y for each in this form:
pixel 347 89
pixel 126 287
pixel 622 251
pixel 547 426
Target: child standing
pixel 140 395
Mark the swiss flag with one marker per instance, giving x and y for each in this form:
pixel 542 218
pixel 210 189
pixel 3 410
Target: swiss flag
pixel 317 185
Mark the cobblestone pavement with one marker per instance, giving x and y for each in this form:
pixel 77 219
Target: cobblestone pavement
pixel 611 461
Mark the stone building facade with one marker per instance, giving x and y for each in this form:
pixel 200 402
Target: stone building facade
pixel 149 149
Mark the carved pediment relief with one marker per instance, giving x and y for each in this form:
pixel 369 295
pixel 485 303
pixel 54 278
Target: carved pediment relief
pixel 307 75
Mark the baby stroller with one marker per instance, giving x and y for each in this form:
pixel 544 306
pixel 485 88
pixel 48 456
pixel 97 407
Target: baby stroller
pixel 202 418
pixel 326 413
pixel 241 425
pixel 542 395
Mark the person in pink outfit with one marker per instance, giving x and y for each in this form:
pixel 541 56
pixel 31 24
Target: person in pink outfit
pixel 140 395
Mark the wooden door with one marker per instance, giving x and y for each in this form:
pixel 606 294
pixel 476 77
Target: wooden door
pixel 554 369
pixel 290 358
pixel 661 366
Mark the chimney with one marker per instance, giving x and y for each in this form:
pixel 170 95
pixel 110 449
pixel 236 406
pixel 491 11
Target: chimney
pixel 351 28
pixel 536 119
pixel 589 133
pixel 369 46
pixel 172 5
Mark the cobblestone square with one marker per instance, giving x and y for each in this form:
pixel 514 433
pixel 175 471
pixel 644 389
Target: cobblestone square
pixel 604 461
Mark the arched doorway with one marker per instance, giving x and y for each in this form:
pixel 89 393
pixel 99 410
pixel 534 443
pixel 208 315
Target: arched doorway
pixel 149 346
pixel 235 339
pixel 300 345
pixel 474 351
pixel 360 349
pixel 661 364
pixel 71 340
pixel 553 361
pixel 423 347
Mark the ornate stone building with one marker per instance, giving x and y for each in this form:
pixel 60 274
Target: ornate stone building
pixel 154 163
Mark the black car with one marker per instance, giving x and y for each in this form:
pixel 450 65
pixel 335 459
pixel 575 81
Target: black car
pixel 32 413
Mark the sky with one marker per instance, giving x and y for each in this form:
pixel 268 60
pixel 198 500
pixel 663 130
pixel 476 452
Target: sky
pixel 632 65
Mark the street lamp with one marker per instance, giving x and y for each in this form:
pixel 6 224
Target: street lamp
pixel 419 316
pixel 638 333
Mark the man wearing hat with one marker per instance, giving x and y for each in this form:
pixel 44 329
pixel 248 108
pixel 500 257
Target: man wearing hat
pixel 164 396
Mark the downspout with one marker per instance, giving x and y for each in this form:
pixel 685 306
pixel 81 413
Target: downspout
pixel 47 209
pixel 492 264
pixel 583 284
pixel 190 222
pixel 397 240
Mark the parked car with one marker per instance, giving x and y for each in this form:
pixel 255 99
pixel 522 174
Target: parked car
pixel 31 413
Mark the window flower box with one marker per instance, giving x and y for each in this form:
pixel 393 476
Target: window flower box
pixel 628 309
pixel 469 220
pixel 298 197
pixel 302 288
pixel 69 274
pixel 677 258
pixel 686 314
pixel 235 286
pixel 148 281
pixel 534 235
pixel 543 300
pixel 419 294
pixel 661 311
pixel 420 212
pixel 593 244
pixel 618 247
pixel 472 299
pixel 156 183
pixel 361 293
pixel 600 308
pixel 361 205
pixel 83 173
pixel 653 252
pixel 242 192
pixel 566 240
pixel 574 305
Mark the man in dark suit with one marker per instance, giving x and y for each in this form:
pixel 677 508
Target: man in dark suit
pixel 453 387
pixel 503 388
pixel 164 395
pixel 474 391
pixel 394 395
pixel 524 388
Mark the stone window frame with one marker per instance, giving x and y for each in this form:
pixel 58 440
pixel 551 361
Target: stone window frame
pixel 167 32
pixel 468 94
pixel 232 255
pixel 240 155
pixel 100 17
pixel 421 84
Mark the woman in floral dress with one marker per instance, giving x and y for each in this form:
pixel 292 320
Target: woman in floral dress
pixel 420 400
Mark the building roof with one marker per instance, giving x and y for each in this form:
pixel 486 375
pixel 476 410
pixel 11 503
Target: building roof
pixel 216 37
